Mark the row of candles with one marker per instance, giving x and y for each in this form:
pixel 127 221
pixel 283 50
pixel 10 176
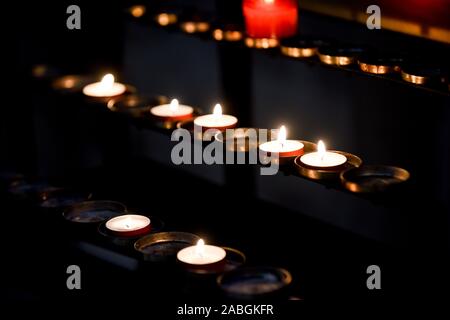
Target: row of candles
pixel 264 19
pixel 174 111
pixel 273 23
pixel 132 225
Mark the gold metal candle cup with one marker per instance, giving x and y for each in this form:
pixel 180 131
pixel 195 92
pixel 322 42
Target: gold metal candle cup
pixel 92 212
pixel 379 64
pixel 300 47
pixel 195 25
pixel 71 83
pixel 164 246
pixel 135 105
pixel 332 173
pixel 339 55
pixel 165 19
pixel 373 178
pixel 261 43
pixel 255 283
pixel 228 33
pixel 239 141
pixel 298 52
pixel 421 75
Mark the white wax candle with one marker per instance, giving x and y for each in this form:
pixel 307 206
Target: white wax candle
pixel 323 158
pixel 201 254
pixel 217 120
pixel 105 88
pixel 284 148
pixel 127 223
pixel 173 110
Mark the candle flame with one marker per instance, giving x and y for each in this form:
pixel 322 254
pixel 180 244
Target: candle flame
pixel 174 105
pixel 269 1
pixel 321 149
pixel 217 110
pixel 200 247
pixel 107 80
pixel 282 134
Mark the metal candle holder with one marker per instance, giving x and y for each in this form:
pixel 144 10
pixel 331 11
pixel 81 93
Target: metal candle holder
pixel 314 173
pixel 239 141
pixel 71 83
pixel 261 43
pixel 300 47
pixel 33 191
pixel 195 23
pixel 421 74
pixel 341 55
pixel 254 283
pixel 378 64
pixel 136 105
pixel 228 32
pixel 164 246
pixel 62 198
pixel 92 212
pixel 373 178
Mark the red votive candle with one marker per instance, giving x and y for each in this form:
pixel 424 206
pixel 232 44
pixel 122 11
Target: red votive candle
pixel 270 18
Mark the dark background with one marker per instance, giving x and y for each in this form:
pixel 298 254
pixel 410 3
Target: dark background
pixel 324 236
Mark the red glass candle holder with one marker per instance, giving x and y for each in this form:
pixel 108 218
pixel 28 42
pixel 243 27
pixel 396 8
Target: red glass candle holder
pixel 270 18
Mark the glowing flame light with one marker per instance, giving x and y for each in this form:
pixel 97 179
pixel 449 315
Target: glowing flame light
pixel 200 247
pixel 173 105
pixel 107 81
pixel 282 135
pixel 217 110
pixel 321 149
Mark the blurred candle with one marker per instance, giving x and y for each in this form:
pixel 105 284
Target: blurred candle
pixel 217 120
pixel 323 158
pixel 270 18
pixel 173 111
pixel 107 87
pixel 284 148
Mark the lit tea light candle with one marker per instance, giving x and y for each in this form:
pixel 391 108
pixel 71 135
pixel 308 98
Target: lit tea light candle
pixel 201 254
pixel 323 158
pixel 284 148
pixel 217 120
pixel 129 225
pixel 105 88
pixel 173 111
